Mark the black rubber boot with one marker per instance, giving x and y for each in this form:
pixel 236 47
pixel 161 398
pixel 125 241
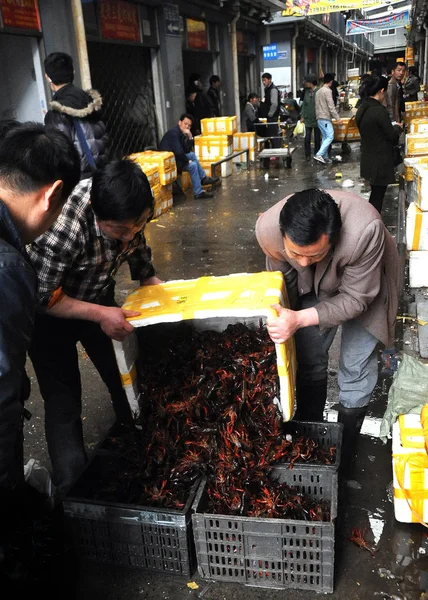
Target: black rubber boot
pixel 352 420
pixel 311 399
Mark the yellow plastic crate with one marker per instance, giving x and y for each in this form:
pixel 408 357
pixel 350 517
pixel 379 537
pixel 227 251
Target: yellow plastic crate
pixel 411 432
pixel 216 125
pixel 410 472
pixel 210 303
pixel 213 147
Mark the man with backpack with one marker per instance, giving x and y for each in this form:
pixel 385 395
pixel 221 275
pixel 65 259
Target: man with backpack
pixel 76 112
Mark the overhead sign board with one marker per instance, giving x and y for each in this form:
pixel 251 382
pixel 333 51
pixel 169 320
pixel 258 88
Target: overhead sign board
pixel 396 20
pixel 299 8
pixel 171 17
pixel 270 52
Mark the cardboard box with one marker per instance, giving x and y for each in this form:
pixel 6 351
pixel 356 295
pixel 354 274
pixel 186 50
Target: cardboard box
pixel 209 303
pixel 410 471
pixel 219 125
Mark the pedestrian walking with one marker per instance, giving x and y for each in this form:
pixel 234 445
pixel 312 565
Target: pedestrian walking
pixel 378 138
pixel 308 115
pixel 325 113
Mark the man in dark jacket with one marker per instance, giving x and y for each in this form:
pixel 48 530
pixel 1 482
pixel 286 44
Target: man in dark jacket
pixel 179 140
pixel 269 109
pixel 76 113
pixel 213 95
pixel 411 86
pixel 38 169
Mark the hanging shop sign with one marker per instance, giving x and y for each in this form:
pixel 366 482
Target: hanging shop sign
pixel 270 52
pixel 120 20
pixel 319 7
pixel 171 18
pixel 20 14
pixel 397 20
pixel 197 37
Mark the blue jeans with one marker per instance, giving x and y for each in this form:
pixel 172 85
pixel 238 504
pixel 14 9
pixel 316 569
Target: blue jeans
pixel 327 135
pixel 196 172
pixel 358 367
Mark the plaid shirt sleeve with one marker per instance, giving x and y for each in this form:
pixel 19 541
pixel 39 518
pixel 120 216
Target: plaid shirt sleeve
pixel 140 261
pixel 53 253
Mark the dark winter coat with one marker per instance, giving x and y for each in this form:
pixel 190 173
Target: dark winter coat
pixel 213 96
pixel 175 141
pixel 72 102
pixel 18 285
pixel 378 137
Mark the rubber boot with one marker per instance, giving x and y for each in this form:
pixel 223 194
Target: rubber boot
pixel 311 399
pixel 352 420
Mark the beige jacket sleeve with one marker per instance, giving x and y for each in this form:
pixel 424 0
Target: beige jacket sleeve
pixel 360 281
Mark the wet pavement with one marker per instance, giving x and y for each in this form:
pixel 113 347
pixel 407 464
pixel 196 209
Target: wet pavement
pixel 216 237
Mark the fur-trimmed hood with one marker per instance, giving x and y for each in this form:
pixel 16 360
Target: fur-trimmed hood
pixel 75 102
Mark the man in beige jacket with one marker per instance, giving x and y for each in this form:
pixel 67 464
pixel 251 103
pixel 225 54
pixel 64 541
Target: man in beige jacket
pixel 325 111
pixel 341 267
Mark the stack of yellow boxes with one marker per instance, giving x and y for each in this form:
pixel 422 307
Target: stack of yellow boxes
pixel 340 130
pixel 410 469
pixel 215 143
pixel 242 141
pixel 416 177
pixel 161 167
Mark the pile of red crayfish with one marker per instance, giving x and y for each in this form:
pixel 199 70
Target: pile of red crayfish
pixel 208 406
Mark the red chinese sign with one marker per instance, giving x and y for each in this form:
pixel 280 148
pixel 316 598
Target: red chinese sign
pixel 196 34
pixel 22 14
pixel 120 20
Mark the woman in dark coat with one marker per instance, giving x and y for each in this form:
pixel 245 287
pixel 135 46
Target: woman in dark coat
pixel 378 138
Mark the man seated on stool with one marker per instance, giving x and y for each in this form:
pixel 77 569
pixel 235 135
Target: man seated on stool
pixel 179 140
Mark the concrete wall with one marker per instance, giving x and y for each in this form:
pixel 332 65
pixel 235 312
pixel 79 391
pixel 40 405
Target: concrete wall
pixel 390 42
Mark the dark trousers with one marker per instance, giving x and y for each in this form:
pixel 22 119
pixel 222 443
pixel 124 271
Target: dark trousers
pixel 274 132
pixel 55 360
pixel 377 195
pixel 308 137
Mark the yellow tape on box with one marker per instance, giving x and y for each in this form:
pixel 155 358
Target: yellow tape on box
pixel 213 147
pixel 216 125
pixel 416 144
pixel 211 303
pixel 410 472
pixel 413 161
pixel 242 141
pixel 418 125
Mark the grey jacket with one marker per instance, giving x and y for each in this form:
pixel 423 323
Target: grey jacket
pixel 358 279
pixel 393 100
pixel 324 105
pixel 249 117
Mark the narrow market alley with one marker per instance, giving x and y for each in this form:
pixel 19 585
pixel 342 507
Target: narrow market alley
pixel 216 237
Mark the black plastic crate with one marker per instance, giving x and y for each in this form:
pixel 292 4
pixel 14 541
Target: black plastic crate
pixel 126 534
pixel 325 434
pixel 270 553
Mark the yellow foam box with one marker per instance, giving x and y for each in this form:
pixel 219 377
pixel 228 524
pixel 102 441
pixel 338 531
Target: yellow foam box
pixel 211 147
pixel 209 303
pixel 416 228
pixel 151 171
pixel 414 113
pixel 418 268
pixel 156 191
pixel 411 432
pixel 353 135
pixel 418 125
pixel 411 162
pixel 161 158
pixel 242 141
pixel 420 186
pixel 223 170
pixel 166 192
pixel 215 125
pixel 410 472
pixel 416 144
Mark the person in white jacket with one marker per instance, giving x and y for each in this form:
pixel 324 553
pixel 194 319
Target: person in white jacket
pixel 325 111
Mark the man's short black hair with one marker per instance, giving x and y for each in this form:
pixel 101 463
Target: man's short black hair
pixel 399 63
pixel 33 156
pixel 328 77
pixel 186 116
pixel 214 79
pixel 59 68
pixel 252 96
pixel 266 76
pixel 120 191
pixel 307 215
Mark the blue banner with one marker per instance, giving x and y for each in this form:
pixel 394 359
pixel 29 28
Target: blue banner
pixel 391 21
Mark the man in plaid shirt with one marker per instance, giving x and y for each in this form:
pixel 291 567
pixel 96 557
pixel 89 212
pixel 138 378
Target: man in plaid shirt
pixel 101 226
